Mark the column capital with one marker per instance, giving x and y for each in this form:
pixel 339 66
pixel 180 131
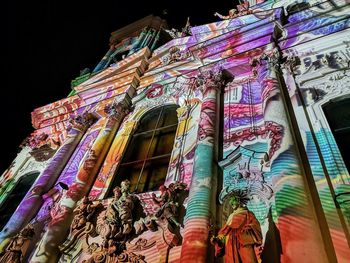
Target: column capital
pixel 291 63
pixel 82 121
pixel 118 109
pixel 209 79
pixel 273 57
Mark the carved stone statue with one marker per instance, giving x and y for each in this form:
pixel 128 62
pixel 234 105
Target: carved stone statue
pixel 167 202
pixel 242 9
pixel 185 31
pixel 241 232
pixel 84 212
pixel 115 226
pixel 18 246
pixel 232 13
pixel 125 205
pixel 111 221
pixel 82 223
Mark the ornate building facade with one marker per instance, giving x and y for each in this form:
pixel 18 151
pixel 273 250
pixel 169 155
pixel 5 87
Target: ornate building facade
pixel 139 162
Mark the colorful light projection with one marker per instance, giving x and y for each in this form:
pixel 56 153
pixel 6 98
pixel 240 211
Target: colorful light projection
pixel 255 52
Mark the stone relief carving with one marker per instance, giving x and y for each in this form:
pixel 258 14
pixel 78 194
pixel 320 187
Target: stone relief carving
pixel 43 153
pixel 334 83
pixel 118 109
pixel 205 80
pixel 175 54
pixel 168 203
pixel 82 223
pixel 43 146
pixel 18 246
pixel 338 59
pixel 82 121
pixel 31 165
pixel 244 169
pixel 113 232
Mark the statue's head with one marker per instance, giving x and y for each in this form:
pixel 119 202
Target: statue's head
pixel 238 198
pixel 85 200
pixel 231 12
pixel 125 186
pixel 27 231
pixel 117 192
pixel 234 202
pixel 162 188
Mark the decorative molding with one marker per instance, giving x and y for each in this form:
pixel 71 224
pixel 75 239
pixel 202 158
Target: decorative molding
pixel 174 55
pixel 36 141
pixel 83 121
pixel 244 169
pixel 43 153
pixel 118 110
pixel 209 79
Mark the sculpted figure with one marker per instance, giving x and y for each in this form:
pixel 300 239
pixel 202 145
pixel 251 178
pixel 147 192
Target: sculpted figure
pixel 112 224
pixel 185 31
pixel 18 246
pixel 237 238
pixel 232 13
pixel 115 227
pixel 84 211
pixel 243 9
pixel 167 202
pixel 125 205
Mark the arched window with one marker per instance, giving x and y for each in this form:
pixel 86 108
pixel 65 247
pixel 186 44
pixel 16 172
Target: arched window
pixel 145 162
pixel 338 116
pixel 15 197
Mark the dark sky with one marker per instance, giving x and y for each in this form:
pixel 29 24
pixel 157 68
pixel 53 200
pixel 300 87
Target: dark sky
pixel 49 42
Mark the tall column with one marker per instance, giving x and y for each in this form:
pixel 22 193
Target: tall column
pixel 33 200
pixel 155 41
pixel 195 242
pixel 47 250
pixel 136 45
pixel 274 60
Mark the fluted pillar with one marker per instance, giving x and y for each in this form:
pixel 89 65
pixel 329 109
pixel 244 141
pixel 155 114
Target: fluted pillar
pixel 33 200
pixel 47 250
pixel 195 242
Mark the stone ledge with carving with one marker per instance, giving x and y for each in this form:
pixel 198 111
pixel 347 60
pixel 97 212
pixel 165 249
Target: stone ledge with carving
pixel 175 54
pixel 82 121
pixel 117 229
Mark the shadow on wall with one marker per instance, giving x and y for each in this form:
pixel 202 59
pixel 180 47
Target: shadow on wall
pixel 273 246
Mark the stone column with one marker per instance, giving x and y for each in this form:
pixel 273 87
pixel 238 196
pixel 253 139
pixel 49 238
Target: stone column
pixel 47 250
pixel 33 200
pixel 319 205
pixel 195 242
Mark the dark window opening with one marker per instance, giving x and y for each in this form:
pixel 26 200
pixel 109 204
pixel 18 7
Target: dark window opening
pixel 145 162
pixel 15 197
pixel 338 116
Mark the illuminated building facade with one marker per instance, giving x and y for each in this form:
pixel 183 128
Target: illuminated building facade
pixel 136 164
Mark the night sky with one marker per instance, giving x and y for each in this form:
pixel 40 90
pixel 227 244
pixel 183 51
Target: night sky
pixel 49 42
